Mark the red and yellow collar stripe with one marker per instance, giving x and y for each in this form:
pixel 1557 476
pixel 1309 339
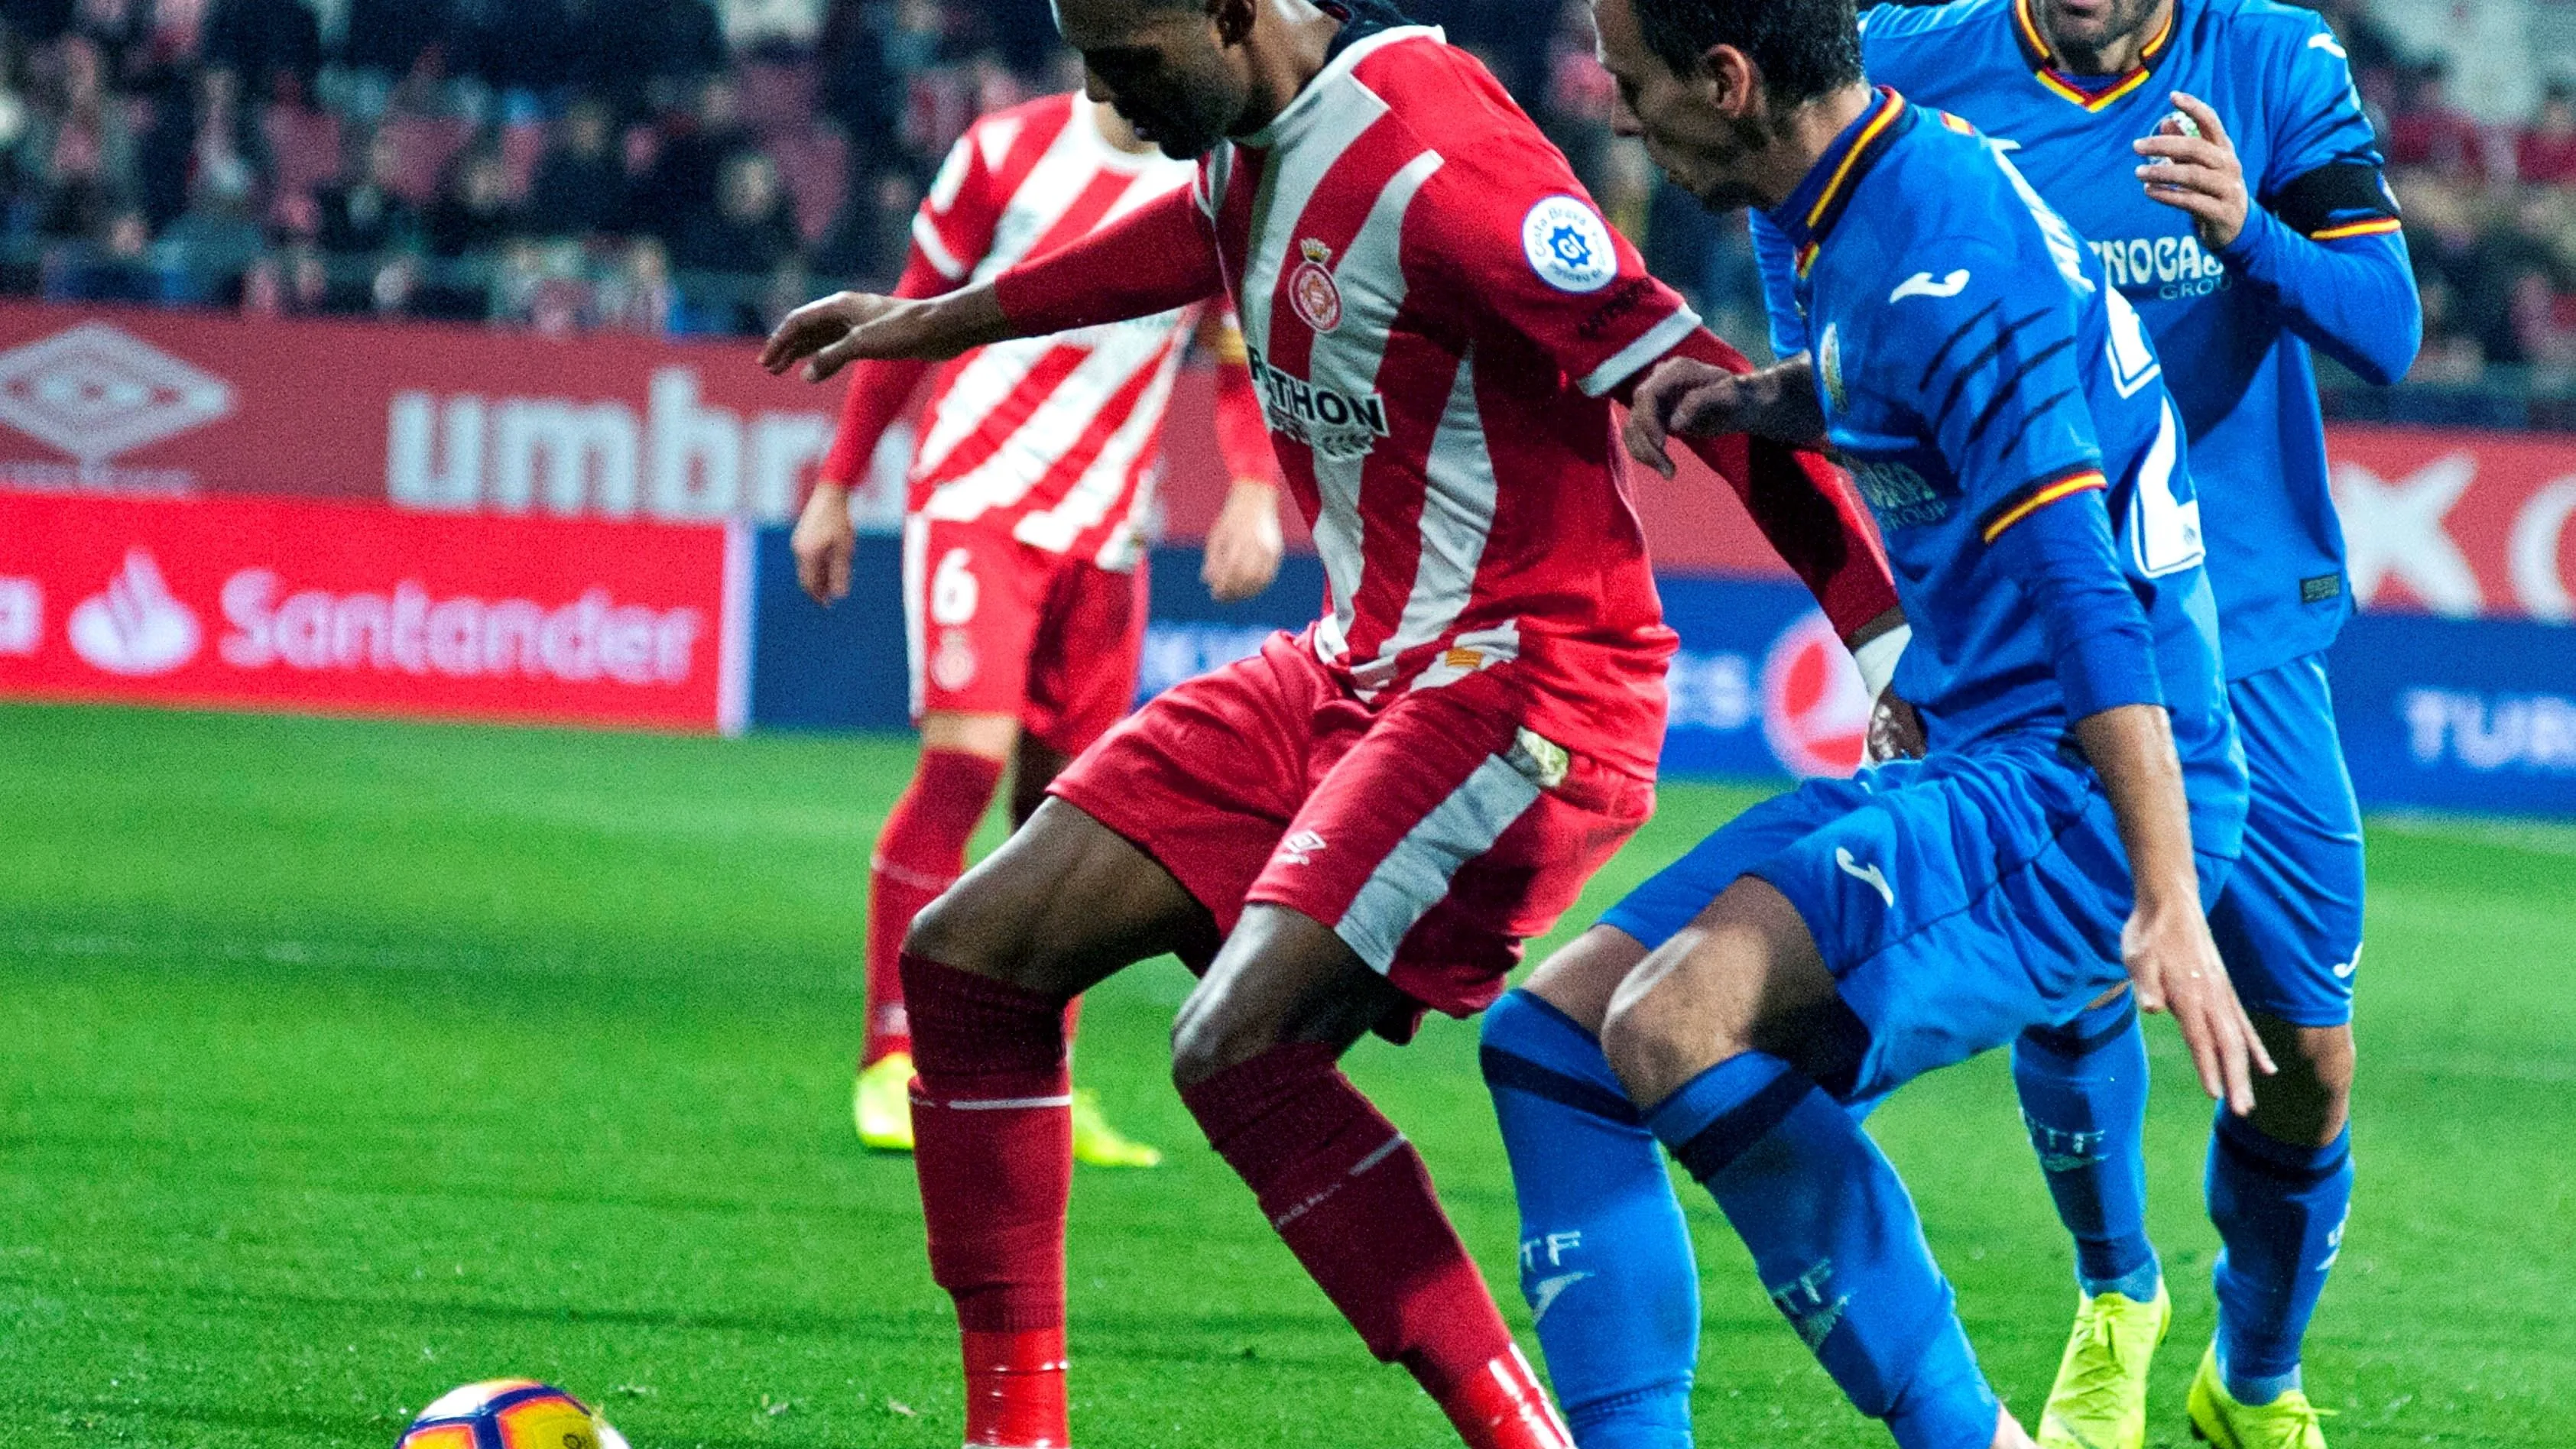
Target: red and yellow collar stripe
pixel 2027 501
pixel 1875 131
pixel 2044 62
pixel 2367 226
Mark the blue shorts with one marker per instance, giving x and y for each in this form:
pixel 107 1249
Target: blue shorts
pixel 2289 922
pixel 1957 900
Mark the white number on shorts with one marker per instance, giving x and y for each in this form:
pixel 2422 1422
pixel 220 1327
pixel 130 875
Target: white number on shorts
pixel 953 590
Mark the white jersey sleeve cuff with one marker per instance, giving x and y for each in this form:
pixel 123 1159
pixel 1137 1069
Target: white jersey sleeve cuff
pixel 1659 339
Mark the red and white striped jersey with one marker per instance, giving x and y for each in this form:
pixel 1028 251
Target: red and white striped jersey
pixel 1435 313
pixel 1054 440
pixel 1437 320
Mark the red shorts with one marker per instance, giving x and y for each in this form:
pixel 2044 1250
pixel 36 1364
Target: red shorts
pixel 993 626
pixel 1433 835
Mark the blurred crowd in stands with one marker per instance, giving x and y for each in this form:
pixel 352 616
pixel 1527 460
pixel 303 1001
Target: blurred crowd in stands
pixel 678 166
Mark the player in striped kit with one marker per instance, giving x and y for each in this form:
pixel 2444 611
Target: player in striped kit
pixel 1364 821
pixel 1024 603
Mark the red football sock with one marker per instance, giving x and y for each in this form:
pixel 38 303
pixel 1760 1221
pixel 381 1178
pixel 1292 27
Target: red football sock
pixel 1356 1206
pixel 919 853
pixel 992 1125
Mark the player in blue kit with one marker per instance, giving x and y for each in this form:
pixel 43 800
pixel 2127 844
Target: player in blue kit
pixel 2215 156
pixel 2243 246
pixel 2083 794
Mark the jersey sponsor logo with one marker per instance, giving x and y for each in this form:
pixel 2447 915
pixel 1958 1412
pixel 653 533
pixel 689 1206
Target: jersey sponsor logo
pixel 1815 711
pixel 135 627
pixel 1301 848
pixel 1567 244
pixel 1334 423
pixel 2168 268
pixel 1868 875
pixel 1312 293
pixel 1922 285
pixel 1901 497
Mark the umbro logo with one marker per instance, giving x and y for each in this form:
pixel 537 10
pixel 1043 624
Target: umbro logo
pixel 1868 875
pixel 1301 848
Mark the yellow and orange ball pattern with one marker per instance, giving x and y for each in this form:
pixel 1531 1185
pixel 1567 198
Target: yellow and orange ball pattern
pixel 509 1414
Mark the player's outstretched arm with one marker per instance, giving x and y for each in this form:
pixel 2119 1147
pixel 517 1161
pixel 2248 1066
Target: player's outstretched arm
pixel 1159 257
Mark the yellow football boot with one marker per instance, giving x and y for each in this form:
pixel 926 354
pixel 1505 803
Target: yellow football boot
pixel 2288 1422
pixel 882 1103
pixel 2100 1401
pixel 1097 1144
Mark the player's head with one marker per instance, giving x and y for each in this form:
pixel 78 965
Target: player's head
pixel 1713 84
pixel 1176 69
pixel 2080 29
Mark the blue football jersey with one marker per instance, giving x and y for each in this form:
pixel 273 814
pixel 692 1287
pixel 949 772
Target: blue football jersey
pixel 2002 411
pixel 2238 371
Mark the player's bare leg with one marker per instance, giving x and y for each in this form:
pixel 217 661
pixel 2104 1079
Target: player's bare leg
pixel 1736 1014
pixel 988 970
pixel 920 852
pixel 1096 1143
pixel 1254 1053
pixel 1583 975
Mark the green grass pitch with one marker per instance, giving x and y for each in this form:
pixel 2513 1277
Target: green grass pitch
pixel 343 1062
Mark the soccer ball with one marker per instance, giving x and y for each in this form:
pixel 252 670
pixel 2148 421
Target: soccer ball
pixel 509 1414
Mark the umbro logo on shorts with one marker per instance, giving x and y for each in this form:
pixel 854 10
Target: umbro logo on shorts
pixel 1300 848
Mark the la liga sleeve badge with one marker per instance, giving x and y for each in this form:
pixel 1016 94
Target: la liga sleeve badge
pixel 1568 245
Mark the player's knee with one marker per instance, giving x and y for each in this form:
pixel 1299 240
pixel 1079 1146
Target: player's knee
pixel 961 929
pixel 2310 1099
pixel 1654 1041
pixel 1207 1038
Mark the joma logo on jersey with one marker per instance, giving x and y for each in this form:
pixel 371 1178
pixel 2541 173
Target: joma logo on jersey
pixel 2172 266
pixel 1333 423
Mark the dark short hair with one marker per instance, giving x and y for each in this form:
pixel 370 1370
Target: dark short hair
pixel 1804 48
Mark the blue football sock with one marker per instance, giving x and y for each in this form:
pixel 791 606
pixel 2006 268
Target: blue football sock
pixel 2280 1211
pixel 1837 1243
pixel 1606 1262
pixel 2083 1093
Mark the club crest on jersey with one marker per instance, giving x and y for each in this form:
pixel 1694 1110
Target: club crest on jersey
pixel 1567 244
pixel 1311 290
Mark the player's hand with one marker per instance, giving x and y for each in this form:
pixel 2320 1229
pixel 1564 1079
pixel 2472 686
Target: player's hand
pixel 1244 544
pixel 1689 397
pixel 2174 966
pixel 823 542
pixel 1895 730
pixel 843 328
pixel 2197 174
